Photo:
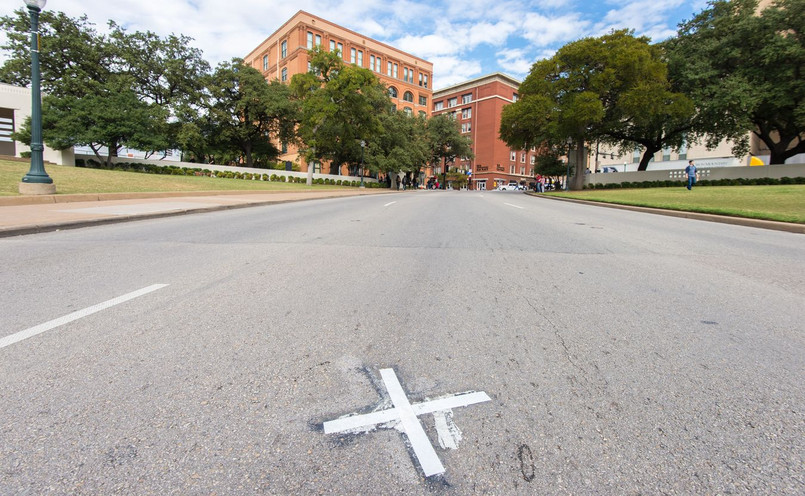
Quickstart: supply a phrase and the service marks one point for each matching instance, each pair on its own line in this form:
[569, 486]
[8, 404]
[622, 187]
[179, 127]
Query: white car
[510, 187]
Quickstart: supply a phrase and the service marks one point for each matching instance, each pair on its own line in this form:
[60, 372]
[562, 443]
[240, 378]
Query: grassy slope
[782, 203]
[79, 180]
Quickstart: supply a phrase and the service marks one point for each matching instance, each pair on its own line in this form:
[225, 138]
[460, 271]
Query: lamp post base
[37, 188]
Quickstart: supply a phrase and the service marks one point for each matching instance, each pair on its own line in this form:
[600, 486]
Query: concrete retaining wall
[227, 168]
[710, 173]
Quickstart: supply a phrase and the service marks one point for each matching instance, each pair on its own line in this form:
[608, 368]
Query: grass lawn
[781, 203]
[80, 180]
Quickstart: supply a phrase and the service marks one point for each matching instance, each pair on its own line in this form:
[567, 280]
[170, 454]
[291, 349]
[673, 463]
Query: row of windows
[513, 157]
[356, 57]
[453, 102]
[407, 96]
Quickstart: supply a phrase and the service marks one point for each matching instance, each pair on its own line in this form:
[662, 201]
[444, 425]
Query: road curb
[59, 226]
[723, 219]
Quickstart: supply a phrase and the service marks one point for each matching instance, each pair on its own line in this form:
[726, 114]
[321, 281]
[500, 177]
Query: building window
[408, 96]
[683, 150]
[332, 45]
[318, 40]
[405, 74]
[466, 98]
[341, 49]
[352, 55]
[522, 171]
[395, 72]
[284, 49]
[426, 80]
[522, 158]
[514, 97]
[511, 169]
[388, 68]
[636, 155]
[513, 157]
[284, 147]
[371, 63]
[666, 154]
[392, 92]
[360, 58]
[466, 113]
[420, 79]
[265, 62]
[533, 159]
[438, 105]
[408, 111]
[422, 113]
[423, 100]
[284, 74]
[451, 102]
[309, 40]
[466, 127]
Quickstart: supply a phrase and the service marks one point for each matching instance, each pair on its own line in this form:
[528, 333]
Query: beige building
[15, 107]
[409, 79]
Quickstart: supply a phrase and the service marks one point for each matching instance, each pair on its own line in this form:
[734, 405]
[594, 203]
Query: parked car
[609, 169]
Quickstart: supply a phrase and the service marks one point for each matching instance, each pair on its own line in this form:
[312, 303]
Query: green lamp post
[363, 145]
[37, 181]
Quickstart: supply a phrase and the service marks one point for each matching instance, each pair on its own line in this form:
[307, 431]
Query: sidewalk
[34, 214]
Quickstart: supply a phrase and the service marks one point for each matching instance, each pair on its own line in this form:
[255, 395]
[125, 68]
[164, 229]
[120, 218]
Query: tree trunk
[577, 182]
[248, 151]
[646, 158]
[782, 150]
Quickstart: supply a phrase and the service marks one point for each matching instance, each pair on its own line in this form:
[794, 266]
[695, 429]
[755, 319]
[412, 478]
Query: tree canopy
[744, 69]
[613, 89]
[340, 106]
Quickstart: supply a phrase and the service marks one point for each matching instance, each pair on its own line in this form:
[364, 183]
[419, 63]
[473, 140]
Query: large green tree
[341, 105]
[745, 70]
[400, 147]
[248, 114]
[112, 83]
[446, 143]
[613, 89]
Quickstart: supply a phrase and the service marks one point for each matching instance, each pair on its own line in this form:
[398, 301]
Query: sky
[464, 39]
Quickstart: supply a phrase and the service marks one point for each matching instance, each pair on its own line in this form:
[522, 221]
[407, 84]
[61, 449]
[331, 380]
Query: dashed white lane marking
[33, 331]
[406, 414]
[389, 203]
[515, 206]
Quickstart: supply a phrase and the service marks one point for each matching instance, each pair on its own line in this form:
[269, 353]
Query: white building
[15, 107]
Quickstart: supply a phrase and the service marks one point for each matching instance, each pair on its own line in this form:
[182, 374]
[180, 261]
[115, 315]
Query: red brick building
[477, 105]
[285, 53]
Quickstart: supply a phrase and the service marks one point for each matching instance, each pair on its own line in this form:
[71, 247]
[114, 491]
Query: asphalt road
[621, 352]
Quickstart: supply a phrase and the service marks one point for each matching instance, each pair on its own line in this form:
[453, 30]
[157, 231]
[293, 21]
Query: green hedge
[668, 183]
[194, 171]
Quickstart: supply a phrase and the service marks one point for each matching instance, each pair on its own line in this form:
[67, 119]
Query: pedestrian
[690, 170]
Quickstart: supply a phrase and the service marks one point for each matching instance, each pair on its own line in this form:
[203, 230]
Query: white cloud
[448, 71]
[646, 17]
[543, 31]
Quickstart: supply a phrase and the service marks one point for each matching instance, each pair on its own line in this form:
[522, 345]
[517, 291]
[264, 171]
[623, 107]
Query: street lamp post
[37, 181]
[363, 145]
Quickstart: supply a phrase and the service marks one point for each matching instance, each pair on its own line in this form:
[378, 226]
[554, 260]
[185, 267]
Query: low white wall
[710, 173]
[227, 168]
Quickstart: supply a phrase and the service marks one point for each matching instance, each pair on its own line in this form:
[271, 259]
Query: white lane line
[390, 203]
[515, 206]
[428, 460]
[33, 331]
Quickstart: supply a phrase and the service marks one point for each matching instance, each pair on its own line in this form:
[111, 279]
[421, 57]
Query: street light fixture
[37, 181]
[363, 145]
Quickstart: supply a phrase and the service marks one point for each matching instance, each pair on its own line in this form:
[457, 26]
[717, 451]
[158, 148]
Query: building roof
[472, 83]
[295, 19]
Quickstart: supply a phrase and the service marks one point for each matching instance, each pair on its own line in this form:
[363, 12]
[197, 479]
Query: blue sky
[464, 39]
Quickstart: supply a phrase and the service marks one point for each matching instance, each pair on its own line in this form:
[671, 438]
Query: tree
[82, 68]
[446, 143]
[401, 146]
[341, 105]
[246, 112]
[613, 88]
[744, 70]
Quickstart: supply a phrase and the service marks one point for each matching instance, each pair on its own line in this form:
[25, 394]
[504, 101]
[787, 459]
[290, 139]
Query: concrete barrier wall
[227, 168]
[710, 173]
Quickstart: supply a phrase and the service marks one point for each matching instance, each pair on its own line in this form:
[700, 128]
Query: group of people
[544, 184]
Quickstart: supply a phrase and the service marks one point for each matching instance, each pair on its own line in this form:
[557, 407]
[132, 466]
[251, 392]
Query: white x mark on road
[406, 414]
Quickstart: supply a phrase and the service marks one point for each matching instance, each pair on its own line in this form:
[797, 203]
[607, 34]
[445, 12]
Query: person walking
[690, 170]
